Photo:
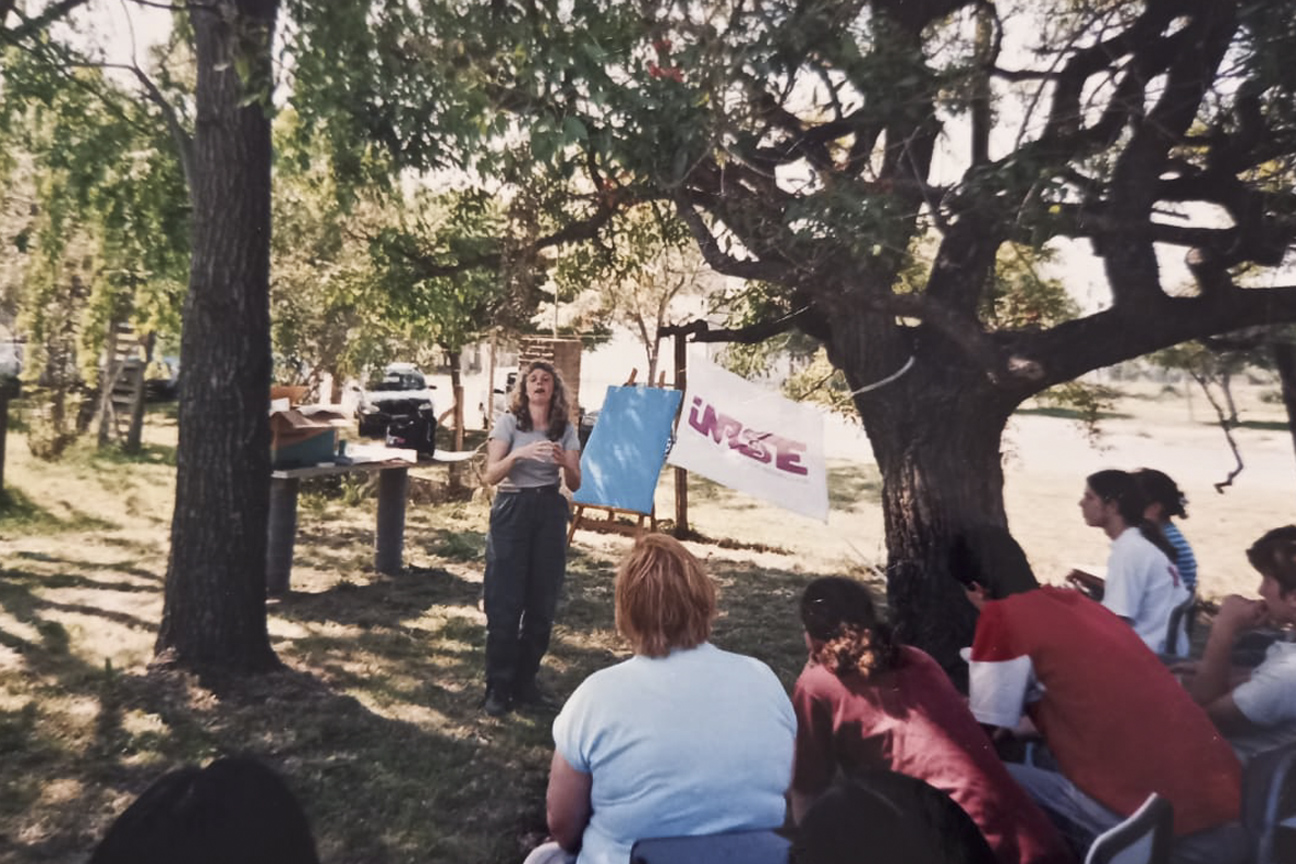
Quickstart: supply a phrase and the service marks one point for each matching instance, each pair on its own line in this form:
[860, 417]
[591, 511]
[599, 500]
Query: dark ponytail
[1121, 488]
[1158, 488]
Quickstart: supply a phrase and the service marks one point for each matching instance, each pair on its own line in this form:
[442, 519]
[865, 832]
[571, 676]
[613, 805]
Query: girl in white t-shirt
[1142, 586]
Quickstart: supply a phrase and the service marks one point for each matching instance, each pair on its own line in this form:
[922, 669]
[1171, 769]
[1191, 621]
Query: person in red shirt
[1116, 720]
[865, 702]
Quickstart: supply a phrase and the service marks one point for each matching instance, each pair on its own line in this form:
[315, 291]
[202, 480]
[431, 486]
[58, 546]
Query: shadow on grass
[79, 580]
[1263, 425]
[63, 744]
[162, 413]
[17, 510]
[17, 419]
[147, 454]
[18, 513]
[375, 721]
[411, 645]
[852, 484]
[1072, 413]
[849, 484]
[381, 737]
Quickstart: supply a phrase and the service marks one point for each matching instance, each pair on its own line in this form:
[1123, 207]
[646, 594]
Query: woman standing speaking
[526, 548]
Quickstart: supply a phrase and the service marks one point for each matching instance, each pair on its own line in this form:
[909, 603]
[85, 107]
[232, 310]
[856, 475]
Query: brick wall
[564, 352]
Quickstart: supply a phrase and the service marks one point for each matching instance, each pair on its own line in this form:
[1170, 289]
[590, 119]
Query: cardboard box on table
[306, 435]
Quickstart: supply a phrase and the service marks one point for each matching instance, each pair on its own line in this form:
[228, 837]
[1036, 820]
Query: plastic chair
[1143, 838]
[736, 847]
[1269, 803]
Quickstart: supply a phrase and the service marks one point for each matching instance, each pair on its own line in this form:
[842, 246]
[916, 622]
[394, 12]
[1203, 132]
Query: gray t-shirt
[529, 473]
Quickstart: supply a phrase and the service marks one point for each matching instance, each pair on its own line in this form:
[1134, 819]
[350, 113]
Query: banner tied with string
[753, 440]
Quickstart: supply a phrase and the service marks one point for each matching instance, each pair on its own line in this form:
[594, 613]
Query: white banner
[751, 439]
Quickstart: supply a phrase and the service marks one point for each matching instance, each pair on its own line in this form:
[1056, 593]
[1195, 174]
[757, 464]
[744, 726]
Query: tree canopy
[871, 168]
[869, 164]
[829, 150]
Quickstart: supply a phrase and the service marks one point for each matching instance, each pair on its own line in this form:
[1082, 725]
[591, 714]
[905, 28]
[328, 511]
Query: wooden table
[389, 538]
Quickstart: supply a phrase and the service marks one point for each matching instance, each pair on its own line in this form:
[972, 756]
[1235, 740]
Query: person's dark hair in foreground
[234, 811]
[1158, 488]
[881, 817]
[1274, 555]
[988, 556]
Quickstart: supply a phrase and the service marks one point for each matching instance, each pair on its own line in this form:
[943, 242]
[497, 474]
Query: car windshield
[398, 381]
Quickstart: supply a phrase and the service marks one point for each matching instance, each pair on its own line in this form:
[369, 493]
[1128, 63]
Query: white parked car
[11, 359]
[497, 397]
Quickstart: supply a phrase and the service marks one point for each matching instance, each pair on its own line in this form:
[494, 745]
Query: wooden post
[389, 540]
[281, 533]
[107, 381]
[4, 428]
[135, 433]
[681, 476]
[487, 420]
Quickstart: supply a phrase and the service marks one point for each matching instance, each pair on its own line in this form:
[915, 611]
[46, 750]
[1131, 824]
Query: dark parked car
[399, 407]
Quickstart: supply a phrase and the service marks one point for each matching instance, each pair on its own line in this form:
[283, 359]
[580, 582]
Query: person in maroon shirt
[1115, 719]
[866, 702]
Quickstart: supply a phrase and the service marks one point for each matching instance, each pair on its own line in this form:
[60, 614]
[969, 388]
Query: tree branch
[183, 140]
[1072, 348]
[749, 335]
[573, 232]
[1225, 426]
[717, 258]
[28, 27]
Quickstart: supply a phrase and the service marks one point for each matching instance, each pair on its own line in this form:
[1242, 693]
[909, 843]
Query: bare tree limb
[1227, 428]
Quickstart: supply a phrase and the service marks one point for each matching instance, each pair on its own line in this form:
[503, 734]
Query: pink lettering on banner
[763, 447]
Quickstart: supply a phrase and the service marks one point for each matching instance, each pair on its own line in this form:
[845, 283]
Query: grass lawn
[375, 719]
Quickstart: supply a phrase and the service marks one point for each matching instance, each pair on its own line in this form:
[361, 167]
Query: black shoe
[531, 696]
[496, 704]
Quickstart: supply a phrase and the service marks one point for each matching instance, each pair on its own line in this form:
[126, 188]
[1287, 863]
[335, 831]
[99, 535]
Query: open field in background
[375, 718]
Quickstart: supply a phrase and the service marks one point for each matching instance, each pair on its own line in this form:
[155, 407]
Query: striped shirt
[1184, 560]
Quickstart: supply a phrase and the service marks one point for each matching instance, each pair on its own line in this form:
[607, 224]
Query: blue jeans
[526, 558]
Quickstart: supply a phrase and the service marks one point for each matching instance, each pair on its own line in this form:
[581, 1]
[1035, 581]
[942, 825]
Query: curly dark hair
[840, 614]
[520, 406]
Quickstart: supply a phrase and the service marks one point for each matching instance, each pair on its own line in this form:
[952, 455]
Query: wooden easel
[608, 523]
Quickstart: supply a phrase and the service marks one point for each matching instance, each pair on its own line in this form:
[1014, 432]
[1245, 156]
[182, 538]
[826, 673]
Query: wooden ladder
[121, 392]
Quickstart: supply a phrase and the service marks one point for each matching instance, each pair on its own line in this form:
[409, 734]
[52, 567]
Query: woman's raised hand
[540, 451]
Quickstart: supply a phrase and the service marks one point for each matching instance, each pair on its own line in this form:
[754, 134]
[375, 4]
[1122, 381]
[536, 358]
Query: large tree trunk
[214, 615]
[940, 477]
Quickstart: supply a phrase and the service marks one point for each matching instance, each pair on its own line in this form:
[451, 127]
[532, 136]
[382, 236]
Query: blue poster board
[627, 449]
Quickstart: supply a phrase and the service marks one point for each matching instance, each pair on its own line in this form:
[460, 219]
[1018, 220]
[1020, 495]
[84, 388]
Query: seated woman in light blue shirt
[682, 739]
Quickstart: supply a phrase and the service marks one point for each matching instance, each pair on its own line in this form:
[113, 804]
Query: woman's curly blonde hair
[520, 403]
[840, 616]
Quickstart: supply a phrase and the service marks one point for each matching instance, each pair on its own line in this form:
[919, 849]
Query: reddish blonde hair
[664, 599]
